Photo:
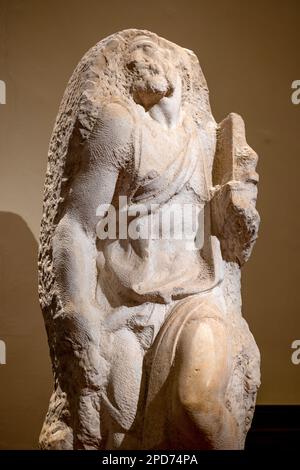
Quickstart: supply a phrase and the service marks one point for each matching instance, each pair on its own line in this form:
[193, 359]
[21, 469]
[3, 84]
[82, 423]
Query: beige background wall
[249, 52]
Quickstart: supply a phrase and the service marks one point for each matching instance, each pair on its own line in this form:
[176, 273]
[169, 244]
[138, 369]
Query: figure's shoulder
[114, 123]
[116, 112]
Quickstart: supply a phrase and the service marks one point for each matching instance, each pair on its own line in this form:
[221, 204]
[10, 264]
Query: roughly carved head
[154, 73]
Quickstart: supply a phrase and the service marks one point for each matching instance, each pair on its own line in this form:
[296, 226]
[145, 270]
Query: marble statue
[148, 345]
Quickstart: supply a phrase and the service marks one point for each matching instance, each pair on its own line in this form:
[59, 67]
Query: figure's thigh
[202, 371]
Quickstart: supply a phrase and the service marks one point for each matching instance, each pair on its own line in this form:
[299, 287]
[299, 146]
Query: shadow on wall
[25, 379]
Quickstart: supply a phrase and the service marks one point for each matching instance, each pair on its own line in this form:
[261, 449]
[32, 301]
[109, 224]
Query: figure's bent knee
[202, 363]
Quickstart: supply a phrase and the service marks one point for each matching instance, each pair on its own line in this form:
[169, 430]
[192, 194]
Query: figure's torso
[170, 183]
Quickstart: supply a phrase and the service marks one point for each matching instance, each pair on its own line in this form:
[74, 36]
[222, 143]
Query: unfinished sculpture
[147, 341]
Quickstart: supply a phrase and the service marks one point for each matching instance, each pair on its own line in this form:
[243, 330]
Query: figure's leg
[73, 325]
[190, 373]
[72, 420]
[56, 433]
[202, 371]
[123, 391]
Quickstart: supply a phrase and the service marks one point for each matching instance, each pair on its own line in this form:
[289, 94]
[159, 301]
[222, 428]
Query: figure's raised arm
[73, 317]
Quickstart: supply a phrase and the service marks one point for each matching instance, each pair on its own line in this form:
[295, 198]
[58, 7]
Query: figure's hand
[235, 219]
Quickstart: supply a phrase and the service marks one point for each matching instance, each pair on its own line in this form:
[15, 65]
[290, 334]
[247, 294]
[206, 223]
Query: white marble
[148, 344]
